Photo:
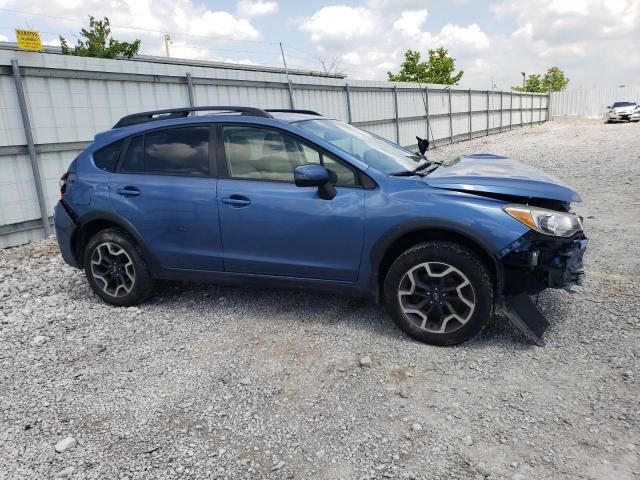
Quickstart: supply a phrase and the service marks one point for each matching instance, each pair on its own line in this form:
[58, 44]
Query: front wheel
[439, 293]
[115, 268]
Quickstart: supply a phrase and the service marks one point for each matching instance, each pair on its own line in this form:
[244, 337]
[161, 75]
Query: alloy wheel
[436, 297]
[112, 268]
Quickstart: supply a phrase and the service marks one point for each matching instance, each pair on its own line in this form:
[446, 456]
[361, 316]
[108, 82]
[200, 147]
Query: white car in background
[624, 111]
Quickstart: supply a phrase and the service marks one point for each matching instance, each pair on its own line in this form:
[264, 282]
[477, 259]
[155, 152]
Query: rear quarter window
[107, 157]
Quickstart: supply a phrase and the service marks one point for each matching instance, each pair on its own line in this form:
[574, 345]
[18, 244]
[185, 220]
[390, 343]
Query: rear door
[269, 225]
[165, 186]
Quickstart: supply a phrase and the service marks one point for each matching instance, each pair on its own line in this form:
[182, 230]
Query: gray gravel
[212, 382]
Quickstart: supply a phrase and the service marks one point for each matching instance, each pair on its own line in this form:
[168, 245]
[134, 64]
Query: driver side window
[255, 153]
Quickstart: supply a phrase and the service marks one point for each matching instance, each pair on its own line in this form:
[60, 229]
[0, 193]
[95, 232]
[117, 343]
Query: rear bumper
[538, 262]
[65, 229]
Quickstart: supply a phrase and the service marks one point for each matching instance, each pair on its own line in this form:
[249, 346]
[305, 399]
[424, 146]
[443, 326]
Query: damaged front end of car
[550, 255]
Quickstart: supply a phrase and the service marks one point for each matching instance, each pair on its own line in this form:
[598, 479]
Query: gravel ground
[212, 382]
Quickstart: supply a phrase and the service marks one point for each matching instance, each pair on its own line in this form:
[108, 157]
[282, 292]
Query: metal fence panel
[590, 102]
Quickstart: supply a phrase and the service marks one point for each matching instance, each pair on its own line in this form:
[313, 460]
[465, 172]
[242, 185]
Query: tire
[449, 282]
[115, 268]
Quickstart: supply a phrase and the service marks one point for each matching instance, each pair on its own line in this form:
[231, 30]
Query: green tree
[554, 79]
[438, 68]
[532, 84]
[99, 43]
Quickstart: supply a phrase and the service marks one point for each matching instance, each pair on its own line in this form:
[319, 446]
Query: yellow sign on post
[28, 40]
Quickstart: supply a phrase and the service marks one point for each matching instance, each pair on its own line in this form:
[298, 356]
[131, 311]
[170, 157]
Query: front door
[165, 189]
[270, 226]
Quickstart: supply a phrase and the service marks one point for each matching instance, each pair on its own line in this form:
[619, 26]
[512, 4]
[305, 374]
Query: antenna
[423, 95]
[286, 71]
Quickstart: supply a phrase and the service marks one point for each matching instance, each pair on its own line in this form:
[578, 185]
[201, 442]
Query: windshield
[623, 104]
[371, 149]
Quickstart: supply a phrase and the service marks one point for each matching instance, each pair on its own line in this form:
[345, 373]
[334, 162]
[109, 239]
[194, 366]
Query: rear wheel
[115, 268]
[439, 293]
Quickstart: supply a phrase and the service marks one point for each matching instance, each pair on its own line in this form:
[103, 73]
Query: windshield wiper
[416, 171]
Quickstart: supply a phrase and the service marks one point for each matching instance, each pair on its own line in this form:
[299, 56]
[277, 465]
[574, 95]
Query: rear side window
[178, 151]
[134, 159]
[181, 151]
[106, 158]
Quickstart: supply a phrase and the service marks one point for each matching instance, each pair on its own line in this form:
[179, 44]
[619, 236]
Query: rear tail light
[63, 183]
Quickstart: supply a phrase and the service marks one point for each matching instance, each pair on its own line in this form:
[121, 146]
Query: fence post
[510, 110]
[549, 105]
[531, 111]
[426, 104]
[31, 148]
[488, 112]
[470, 115]
[190, 91]
[450, 118]
[346, 89]
[501, 111]
[521, 112]
[395, 107]
[540, 110]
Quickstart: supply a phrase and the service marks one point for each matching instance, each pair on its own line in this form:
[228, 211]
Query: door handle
[128, 191]
[236, 200]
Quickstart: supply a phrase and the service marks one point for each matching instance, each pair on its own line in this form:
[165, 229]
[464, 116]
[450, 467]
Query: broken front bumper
[531, 264]
[535, 262]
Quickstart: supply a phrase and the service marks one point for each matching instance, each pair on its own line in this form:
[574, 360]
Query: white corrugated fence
[590, 102]
[70, 99]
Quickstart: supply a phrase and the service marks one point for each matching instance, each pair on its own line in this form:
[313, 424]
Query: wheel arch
[390, 246]
[95, 222]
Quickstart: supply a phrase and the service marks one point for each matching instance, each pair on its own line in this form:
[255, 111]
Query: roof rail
[152, 116]
[292, 110]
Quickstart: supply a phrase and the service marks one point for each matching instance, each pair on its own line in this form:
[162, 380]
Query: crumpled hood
[484, 172]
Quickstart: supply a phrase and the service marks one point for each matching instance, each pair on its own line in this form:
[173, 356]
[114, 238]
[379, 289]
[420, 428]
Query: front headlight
[549, 222]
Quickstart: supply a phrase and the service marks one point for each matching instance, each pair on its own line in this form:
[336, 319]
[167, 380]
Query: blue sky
[594, 41]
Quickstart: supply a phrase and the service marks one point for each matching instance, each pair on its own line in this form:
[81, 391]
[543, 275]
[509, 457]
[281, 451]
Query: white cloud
[248, 8]
[575, 7]
[340, 23]
[54, 42]
[222, 25]
[525, 31]
[3, 38]
[592, 40]
[410, 22]
[479, 66]
[196, 31]
[352, 57]
[372, 40]
[470, 36]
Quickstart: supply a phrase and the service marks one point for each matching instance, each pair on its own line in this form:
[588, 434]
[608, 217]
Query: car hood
[623, 109]
[501, 175]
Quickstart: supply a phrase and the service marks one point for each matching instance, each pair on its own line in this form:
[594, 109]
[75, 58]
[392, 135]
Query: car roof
[275, 117]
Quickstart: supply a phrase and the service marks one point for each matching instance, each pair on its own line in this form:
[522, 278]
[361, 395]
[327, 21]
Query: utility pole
[524, 83]
[286, 71]
[167, 38]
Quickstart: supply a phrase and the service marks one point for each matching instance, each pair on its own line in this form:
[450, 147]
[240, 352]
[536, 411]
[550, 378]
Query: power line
[76, 20]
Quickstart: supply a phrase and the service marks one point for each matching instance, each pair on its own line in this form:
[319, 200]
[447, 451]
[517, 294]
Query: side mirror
[315, 176]
[608, 106]
[423, 145]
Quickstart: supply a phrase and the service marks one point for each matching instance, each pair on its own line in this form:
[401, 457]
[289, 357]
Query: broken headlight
[549, 222]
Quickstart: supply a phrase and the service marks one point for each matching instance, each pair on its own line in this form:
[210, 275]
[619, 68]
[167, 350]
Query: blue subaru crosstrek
[291, 198]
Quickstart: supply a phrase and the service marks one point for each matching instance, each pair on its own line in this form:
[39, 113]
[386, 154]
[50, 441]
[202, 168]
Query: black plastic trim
[182, 112]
